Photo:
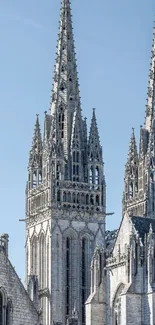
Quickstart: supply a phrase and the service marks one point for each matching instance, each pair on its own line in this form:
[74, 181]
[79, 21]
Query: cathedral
[77, 272]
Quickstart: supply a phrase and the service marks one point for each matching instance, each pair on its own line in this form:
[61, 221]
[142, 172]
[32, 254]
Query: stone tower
[65, 194]
[139, 192]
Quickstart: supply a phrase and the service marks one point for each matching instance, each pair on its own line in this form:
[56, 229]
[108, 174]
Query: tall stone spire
[65, 93]
[150, 107]
[66, 192]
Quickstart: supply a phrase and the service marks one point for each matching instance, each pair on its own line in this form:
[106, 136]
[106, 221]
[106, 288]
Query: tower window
[9, 313]
[58, 195]
[40, 177]
[34, 255]
[91, 175]
[74, 198]
[68, 251]
[61, 124]
[97, 175]
[84, 275]
[130, 190]
[92, 199]
[64, 197]
[87, 199]
[97, 200]
[34, 179]
[58, 171]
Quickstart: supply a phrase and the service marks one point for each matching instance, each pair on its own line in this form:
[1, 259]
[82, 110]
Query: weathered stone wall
[24, 312]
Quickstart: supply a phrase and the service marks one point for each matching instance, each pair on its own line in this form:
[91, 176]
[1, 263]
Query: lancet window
[42, 260]
[61, 123]
[117, 312]
[130, 190]
[84, 275]
[68, 273]
[35, 255]
[34, 179]
[76, 170]
[9, 313]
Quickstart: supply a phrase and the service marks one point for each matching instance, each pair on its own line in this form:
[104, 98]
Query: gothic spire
[132, 153]
[35, 157]
[65, 93]
[150, 107]
[95, 149]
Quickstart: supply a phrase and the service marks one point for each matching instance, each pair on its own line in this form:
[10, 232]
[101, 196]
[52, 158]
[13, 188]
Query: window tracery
[117, 313]
[42, 260]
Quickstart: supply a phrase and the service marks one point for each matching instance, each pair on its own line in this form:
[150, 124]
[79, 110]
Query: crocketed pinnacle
[150, 107]
[132, 153]
[65, 93]
[95, 150]
[35, 158]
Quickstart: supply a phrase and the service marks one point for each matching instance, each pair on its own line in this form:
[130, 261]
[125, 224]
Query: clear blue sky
[113, 44]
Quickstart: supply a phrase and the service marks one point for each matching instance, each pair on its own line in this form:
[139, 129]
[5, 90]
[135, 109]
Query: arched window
[9, 311]
[83, 198]
[87, 199]
[34, 179]
[69, 197]
[152, 190]
[35, 256]
[73, 156]
[1, 309]
[40, 177]
[136, 259]
[91, 175]
[84, 275]
[58, 195]
[78, 198]
[68, 270]
[97, 175]
[74, 198]
[58, 171]
[97, 200]
[92, 199]
[77, 157]
[117, 313]
[130, 190]
[42, 261]
[64, 197]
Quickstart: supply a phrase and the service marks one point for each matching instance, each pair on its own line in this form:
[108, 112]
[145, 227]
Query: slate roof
[142, 225]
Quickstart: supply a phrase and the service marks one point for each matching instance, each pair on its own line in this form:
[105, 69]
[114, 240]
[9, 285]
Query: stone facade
[16, 307]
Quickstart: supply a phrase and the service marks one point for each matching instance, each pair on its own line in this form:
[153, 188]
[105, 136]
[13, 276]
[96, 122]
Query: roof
[142, 225]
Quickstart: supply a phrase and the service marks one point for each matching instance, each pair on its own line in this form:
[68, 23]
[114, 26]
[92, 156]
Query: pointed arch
[9, 312]
[34, 255]
[86, 238]
[70, 239]
[3, 302]
[116, 305]
[42, 260]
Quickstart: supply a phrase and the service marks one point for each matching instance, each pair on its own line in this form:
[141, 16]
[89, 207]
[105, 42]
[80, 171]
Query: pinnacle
[94, 140]
[132, 154]
[36, 149]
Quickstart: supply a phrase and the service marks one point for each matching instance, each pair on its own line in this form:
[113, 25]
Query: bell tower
[65, 194]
